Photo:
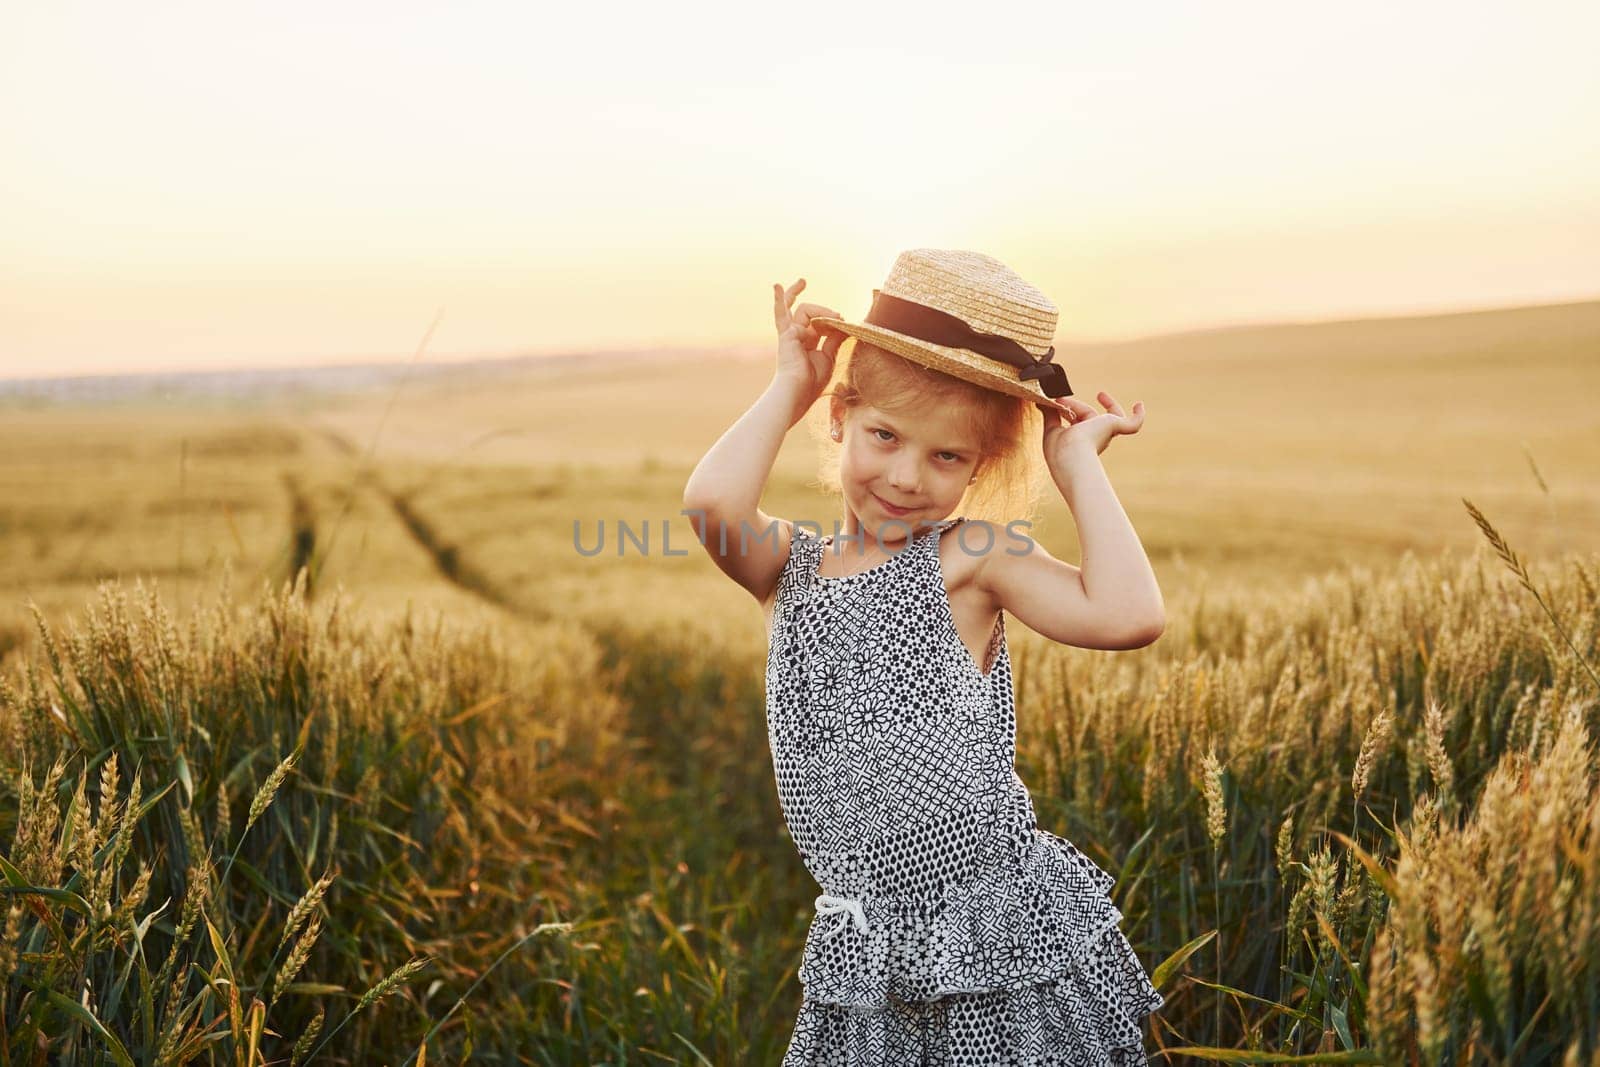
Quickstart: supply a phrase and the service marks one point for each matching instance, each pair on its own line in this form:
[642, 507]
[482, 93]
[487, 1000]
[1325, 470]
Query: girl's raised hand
[1087, 425]
[800, 356]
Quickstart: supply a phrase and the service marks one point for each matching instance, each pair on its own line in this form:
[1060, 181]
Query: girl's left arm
[1112, 601]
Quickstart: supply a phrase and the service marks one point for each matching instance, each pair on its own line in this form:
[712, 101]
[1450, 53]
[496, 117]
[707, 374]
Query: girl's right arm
[723, 495]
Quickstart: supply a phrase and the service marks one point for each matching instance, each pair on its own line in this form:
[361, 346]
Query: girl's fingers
[782, 298]
[780, 307]
[805, 313]
[1077, 408]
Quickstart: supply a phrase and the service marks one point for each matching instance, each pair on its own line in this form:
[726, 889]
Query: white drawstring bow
[829, 905]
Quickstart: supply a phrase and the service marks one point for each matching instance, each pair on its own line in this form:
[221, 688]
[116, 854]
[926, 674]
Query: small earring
[834, 432]
[972, 479]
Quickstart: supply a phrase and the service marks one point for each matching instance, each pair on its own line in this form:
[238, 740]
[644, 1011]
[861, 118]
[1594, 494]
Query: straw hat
[968, 315]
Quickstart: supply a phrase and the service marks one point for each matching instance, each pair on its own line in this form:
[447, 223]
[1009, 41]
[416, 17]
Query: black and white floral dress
[951, 929]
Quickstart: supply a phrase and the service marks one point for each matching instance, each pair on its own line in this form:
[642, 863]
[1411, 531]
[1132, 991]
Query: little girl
[951, 929]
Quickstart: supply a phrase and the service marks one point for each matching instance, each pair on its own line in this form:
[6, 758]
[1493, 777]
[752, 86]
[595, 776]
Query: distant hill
[248, 385]
[1574, 327]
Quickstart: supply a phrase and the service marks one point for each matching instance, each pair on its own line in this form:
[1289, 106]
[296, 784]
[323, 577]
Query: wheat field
[322, 742]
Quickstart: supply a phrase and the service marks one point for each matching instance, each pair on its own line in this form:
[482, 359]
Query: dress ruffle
[1091, 1016]
[1042, 915]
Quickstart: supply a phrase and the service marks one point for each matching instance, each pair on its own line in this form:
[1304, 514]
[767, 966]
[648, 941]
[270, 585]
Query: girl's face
[921, 462]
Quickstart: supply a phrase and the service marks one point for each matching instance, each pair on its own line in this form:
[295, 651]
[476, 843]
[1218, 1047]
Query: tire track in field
[302, 530]
[341, 444]
[447, 557]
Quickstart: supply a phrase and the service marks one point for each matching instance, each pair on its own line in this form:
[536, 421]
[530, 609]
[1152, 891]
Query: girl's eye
[888, 436]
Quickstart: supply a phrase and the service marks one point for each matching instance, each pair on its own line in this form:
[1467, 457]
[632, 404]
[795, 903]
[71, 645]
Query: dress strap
[802, 561]
[935, 537]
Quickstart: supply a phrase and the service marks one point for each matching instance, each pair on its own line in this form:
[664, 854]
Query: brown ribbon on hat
[941, 328]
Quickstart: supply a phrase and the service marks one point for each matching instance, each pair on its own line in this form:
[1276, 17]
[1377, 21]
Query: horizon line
[457, 359]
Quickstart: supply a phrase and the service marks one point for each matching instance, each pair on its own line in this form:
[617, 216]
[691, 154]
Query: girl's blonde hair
[1011, 471]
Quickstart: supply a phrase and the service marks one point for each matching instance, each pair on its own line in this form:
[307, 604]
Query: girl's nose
[903, 476]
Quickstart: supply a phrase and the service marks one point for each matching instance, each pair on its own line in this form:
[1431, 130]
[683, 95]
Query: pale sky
[202, 185]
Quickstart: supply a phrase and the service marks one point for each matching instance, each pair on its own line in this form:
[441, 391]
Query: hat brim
[961, 363]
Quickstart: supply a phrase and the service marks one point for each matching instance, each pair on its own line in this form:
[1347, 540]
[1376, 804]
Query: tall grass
[225, 839]
[1355, 822]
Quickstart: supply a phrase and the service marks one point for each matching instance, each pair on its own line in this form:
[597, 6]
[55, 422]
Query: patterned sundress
[951, 929]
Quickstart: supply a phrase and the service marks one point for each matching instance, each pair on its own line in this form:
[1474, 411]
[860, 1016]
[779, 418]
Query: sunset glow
[192, 185]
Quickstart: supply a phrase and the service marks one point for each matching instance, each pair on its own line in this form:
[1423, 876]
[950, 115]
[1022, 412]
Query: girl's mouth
[890, 508]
